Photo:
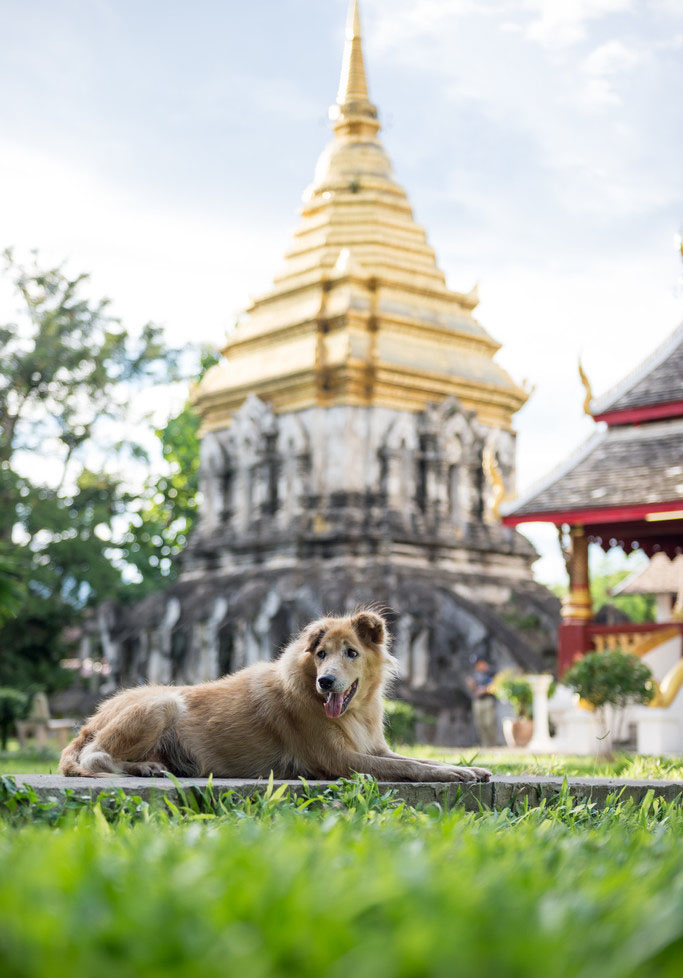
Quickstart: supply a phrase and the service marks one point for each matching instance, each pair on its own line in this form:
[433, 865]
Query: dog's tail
[68, 762]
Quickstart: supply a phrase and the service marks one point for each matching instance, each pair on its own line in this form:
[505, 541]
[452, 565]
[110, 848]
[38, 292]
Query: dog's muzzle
[336, 703]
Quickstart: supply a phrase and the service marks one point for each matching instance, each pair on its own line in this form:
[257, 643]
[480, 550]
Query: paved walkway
[500, 792]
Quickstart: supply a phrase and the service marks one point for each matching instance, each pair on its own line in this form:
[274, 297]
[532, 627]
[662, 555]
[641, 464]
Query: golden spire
[353, 86]
[353, 104]
[360, 313]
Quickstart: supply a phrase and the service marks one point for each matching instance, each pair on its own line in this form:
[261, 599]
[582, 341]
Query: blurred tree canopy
[166, 510]
[603, 580]
[70, 527]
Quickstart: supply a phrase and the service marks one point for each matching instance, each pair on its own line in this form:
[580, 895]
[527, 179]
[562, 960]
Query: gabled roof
[624, 466]
[660, 576]
[658, 380]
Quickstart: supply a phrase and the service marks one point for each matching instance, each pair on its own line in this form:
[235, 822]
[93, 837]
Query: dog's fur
[292, 716]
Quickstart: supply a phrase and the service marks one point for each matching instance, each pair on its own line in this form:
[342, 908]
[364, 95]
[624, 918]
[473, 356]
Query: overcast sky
[164, 147]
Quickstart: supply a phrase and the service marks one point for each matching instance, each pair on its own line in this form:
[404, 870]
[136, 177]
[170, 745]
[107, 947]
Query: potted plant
[607, 680]
[515, 690]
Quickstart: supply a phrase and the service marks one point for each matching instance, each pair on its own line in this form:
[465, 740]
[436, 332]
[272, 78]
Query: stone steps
[500, 792]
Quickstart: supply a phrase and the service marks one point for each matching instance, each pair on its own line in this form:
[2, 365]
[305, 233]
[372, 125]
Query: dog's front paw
[143, 769]
[482, 773]
[469, 774]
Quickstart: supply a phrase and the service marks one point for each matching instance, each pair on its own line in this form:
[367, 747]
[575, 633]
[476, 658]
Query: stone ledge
[500, 792]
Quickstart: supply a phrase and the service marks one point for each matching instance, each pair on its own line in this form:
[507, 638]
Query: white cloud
[562, 23]
[613, 58]
[189, 272]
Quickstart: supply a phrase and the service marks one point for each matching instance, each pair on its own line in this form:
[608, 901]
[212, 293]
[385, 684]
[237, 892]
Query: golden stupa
[360, 314]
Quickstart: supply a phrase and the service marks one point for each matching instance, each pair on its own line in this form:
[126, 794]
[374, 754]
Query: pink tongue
[334, 703]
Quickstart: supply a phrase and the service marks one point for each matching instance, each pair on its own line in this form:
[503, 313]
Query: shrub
[516, 691]
[613, 679]
[13, 706]
[400, 720]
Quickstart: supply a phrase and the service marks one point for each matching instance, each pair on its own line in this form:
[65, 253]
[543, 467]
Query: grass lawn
[31, 760]
[351, 883]
[502, 761]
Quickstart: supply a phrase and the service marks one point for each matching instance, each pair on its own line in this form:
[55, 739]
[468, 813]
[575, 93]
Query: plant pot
[517, 731]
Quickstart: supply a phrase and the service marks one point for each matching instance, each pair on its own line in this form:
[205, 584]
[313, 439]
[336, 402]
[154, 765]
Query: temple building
[357, 441]
[624, 488]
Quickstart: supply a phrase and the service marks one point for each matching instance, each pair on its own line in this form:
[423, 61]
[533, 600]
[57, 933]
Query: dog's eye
[321, 654]
[352, 654]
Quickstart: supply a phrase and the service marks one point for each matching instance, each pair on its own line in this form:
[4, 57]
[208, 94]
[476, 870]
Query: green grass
[30, 760]
[348, 883]
[624, 765]
[45, 761]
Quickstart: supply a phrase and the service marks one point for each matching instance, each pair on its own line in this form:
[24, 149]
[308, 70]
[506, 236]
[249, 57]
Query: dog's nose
[326, 682]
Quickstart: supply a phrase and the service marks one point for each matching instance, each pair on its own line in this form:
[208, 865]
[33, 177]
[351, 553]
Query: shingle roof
[660, 576]
[618, 466]
[657, 380]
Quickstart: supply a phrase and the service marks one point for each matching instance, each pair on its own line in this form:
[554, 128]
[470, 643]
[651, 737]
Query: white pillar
[541, 741]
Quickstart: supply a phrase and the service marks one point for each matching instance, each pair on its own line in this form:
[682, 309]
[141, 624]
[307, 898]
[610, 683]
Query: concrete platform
[501, 792]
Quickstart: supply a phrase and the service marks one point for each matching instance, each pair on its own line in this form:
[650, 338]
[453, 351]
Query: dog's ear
[369, 628]
[312, 634]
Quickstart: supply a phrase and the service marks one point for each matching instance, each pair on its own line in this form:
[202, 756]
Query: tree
[11, 587]
[515, 690]
[610, 679]
[68, 372]
[13, 706]
[167, 509]
[603, 581]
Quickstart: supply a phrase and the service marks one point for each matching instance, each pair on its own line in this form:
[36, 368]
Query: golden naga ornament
[589, 391]
[494, 478]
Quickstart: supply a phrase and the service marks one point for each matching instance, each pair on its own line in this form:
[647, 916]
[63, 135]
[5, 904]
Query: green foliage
[167, 509]
[13, 706]
[638, 607]
[12, 590]
[400, 720]
[28, 760]
[622, 765]
[68, 373]
[610, 678]
[344, 882]
[525, 623]
[515, 690]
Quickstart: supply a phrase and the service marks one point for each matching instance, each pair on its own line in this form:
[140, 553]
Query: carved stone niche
[430, 467]
[397, 453]
[293, 448]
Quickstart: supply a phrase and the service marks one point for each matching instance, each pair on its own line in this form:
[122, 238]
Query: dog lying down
[316, 711]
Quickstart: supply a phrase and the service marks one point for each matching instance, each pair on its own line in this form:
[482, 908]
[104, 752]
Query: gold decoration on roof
[589, 391]
[494, 478]
[360, 312]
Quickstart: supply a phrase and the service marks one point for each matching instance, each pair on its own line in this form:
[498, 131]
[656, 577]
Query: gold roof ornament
[588, 389]
[360, 313]
[494, 478]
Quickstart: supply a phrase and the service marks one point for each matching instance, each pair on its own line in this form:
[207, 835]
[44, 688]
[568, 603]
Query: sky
[164, 148]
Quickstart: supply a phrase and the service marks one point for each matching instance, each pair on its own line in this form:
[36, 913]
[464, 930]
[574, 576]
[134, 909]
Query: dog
[315, 712]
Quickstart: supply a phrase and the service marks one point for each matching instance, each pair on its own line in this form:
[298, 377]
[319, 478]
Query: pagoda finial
[353, 111]
[353, 86]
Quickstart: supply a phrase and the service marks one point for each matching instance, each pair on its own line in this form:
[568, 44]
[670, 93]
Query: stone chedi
[356, 442]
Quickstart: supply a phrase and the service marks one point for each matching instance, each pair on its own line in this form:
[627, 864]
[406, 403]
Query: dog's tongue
[334, 703]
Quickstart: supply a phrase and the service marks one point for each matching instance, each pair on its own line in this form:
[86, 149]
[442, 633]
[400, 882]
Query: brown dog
[316, 711]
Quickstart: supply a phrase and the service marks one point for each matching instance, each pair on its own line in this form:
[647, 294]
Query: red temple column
[577, 608]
